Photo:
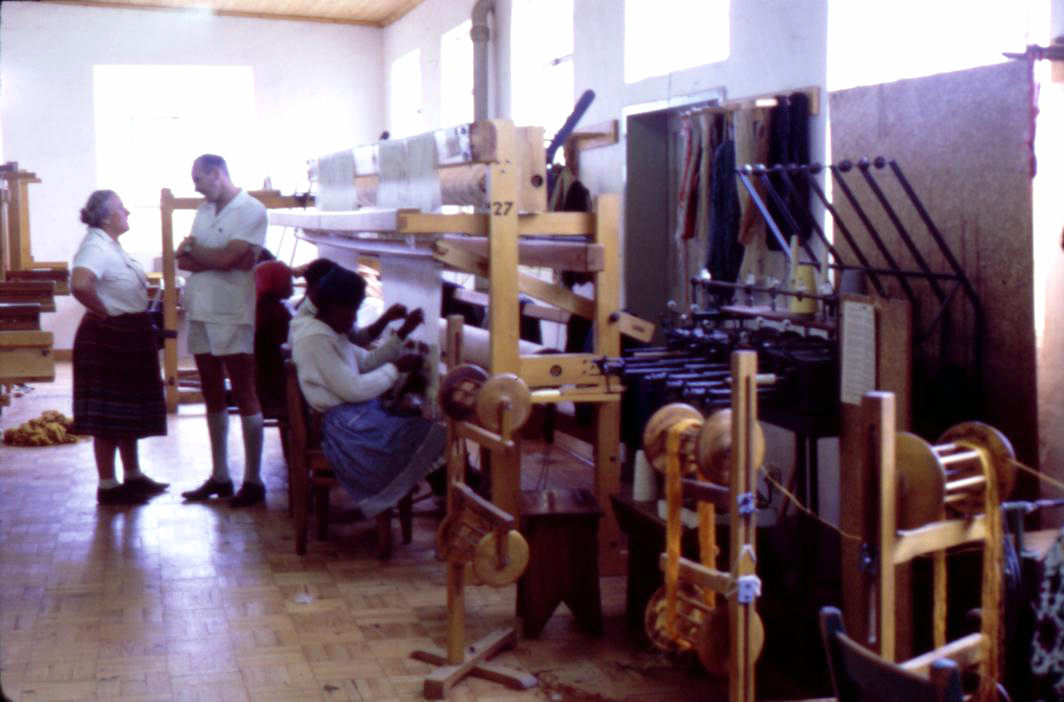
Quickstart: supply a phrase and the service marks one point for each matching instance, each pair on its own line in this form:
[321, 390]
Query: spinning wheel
[714, 447]
[468, 394]
[458, 391]
[658, 426]
[503, 390]
[714, 640]
[702, 457]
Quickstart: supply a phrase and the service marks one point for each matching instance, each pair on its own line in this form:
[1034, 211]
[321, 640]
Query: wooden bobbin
[499, 391]
[963, 450]
[691, 612]
[921, 481]
[492, 570]
[656, 430]
[951, 473]
[458, 391]
[458, 537]
[714, 640]
[714, 448]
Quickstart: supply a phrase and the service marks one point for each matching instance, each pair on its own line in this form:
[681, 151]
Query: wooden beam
[503, 313]
[596, 135]
[20, 316]
[555, 295]
[965, 652]
[553, 370]
[41, 292]
[543, 253]
[938, 536]
[166, 211]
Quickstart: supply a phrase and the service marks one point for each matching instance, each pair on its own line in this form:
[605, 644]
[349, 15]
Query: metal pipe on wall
[480, 33]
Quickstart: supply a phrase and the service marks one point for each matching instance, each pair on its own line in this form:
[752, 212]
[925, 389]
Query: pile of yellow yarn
[50, 429]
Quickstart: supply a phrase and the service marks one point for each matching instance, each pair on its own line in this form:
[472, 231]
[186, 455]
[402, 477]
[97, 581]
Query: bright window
[152, 121]
[406, 115]
[663, 36]
[543, 63]
[456, 76]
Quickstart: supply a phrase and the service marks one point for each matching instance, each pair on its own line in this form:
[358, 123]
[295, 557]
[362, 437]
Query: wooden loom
[168, 204]
[931, 499]
[27, 288]
[509, 228]
[701, 457]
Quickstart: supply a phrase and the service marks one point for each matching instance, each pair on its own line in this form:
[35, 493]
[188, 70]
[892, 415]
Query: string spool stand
[933, 498]
[715, 462]
[479, 542]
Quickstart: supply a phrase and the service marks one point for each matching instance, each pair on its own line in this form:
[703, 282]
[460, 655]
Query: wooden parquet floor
[174, 601]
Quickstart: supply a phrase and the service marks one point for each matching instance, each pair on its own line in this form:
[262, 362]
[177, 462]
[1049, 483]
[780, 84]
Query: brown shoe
[249, 494]
[123, 494]
[209, 489]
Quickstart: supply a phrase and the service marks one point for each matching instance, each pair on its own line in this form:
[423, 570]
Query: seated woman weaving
[378, 457]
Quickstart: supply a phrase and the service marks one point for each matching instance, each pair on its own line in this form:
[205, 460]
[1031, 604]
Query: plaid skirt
[118, 389]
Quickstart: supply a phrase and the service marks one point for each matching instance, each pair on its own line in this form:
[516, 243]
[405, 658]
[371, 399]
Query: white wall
[318, 88]
[776, 46]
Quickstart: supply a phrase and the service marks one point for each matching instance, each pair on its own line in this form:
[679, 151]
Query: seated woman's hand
[412, 321]
[408, 362]
[396, 311]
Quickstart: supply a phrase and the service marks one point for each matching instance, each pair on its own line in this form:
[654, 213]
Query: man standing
[227, 234]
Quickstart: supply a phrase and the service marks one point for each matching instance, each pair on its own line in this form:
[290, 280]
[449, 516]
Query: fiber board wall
[961, 140]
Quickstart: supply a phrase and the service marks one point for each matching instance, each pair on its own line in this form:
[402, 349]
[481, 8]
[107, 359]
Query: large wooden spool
[468, 394]
[705, 446]
[950, 476]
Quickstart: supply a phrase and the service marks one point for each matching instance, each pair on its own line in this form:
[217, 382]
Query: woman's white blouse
[120, 280]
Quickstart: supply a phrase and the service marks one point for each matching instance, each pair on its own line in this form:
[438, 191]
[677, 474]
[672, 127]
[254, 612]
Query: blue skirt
[379, 457]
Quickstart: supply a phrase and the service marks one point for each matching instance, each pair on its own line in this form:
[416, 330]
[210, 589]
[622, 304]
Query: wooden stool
[561, 527]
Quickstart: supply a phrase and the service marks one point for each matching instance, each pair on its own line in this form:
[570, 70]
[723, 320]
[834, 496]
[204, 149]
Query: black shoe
[209, 489]
[146, 485]
[249, 494]
[123, 494]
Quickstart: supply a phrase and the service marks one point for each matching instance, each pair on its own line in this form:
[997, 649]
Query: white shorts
[220, 339]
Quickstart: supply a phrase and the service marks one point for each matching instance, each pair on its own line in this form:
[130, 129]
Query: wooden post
[503, 310]
[608, 414]
[5, 198]
[857, 482]
[166, 209]
[743, 523]
[878, 409]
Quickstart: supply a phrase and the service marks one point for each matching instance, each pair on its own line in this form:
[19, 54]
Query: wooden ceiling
[374, 13]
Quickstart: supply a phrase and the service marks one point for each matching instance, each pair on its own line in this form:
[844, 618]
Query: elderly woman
[118, 391]
[377, 456]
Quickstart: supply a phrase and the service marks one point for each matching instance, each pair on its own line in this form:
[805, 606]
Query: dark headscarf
[341, 287]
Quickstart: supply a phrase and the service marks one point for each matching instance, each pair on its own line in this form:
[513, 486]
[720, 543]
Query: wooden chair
[859, 675]
[311, 476]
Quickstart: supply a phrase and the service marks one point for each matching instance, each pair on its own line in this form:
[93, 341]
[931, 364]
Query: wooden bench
[561, 527]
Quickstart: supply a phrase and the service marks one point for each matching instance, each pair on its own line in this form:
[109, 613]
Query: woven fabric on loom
[408, 174]
[336, 182]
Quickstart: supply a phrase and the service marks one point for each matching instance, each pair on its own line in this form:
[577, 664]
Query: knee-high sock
[218, 429]
[252, 426]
